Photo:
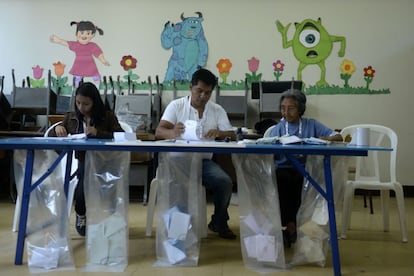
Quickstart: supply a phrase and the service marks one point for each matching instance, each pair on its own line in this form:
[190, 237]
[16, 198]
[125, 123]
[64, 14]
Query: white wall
[378, 33]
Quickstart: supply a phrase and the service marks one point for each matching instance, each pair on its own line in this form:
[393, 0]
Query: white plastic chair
[367, 176]
[151, 208]
[267, 132]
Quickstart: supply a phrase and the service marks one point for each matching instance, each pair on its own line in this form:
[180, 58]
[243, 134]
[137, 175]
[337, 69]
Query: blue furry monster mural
[189, 45]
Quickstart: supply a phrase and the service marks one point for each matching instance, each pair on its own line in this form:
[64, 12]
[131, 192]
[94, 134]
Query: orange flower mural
[59, 68]
[224, 65]
[60, 82]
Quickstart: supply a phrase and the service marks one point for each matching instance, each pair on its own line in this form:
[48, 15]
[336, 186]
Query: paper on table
[282, 140]
[316, 141]
[190, 132]
[124, 136]
[69, 137]
[290, 139]
[293, 139]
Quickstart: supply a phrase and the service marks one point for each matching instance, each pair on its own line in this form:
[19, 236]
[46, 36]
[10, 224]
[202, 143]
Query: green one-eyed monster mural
[311, 44]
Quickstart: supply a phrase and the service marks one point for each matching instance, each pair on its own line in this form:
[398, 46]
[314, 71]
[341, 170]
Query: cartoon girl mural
[84, 64]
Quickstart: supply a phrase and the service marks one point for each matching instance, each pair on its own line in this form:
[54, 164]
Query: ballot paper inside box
[174, 253]
[51, 257]
[107, 241]
[260, 246]
[177, 225]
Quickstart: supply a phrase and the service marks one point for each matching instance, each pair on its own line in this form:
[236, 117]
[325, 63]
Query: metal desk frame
[68, 146]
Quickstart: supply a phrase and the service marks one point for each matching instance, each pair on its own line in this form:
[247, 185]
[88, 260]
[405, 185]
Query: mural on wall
[224, 66]
[253, 65]
[311, 44]
[189, 47]
[85, 51]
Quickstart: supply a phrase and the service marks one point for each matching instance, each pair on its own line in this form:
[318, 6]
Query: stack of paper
[316, 141]
[293, 139]
[282, 140]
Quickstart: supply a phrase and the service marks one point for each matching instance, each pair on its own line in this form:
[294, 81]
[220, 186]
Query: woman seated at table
[92, 118]
[289, 179]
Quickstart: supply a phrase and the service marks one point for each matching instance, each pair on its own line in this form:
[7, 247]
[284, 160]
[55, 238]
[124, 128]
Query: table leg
[332, 219]
[25, 197]
[68, 171]
[329, 197]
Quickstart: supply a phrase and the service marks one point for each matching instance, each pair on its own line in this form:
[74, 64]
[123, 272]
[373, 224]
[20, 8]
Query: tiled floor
[367, 250]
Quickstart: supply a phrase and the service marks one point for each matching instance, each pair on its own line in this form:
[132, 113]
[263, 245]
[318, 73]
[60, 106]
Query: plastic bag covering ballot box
[47, 232]
[106, 209]
[178, 192]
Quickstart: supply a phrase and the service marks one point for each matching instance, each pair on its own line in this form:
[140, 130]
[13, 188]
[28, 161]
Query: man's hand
[212, 134]
[179, 129]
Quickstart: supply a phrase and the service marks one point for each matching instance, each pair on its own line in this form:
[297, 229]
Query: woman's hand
[337, 137]
[90, 129]
[61, 131]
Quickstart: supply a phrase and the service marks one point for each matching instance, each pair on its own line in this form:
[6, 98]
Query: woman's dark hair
[88, 89]
[298, 96]
[205, 76]
[86, 26]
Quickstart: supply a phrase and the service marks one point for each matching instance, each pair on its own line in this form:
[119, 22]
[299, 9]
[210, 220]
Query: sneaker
[289, 238]
[80, 224]
[286, 240]
[226, 233]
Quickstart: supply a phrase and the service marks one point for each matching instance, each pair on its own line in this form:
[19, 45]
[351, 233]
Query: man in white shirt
[213, 123]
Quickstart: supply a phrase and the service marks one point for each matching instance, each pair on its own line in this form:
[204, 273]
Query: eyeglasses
[288, 108]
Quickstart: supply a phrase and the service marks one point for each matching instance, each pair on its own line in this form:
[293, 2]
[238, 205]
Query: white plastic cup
[361, 136]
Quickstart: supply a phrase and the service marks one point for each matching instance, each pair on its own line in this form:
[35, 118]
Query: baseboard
[408, 191]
